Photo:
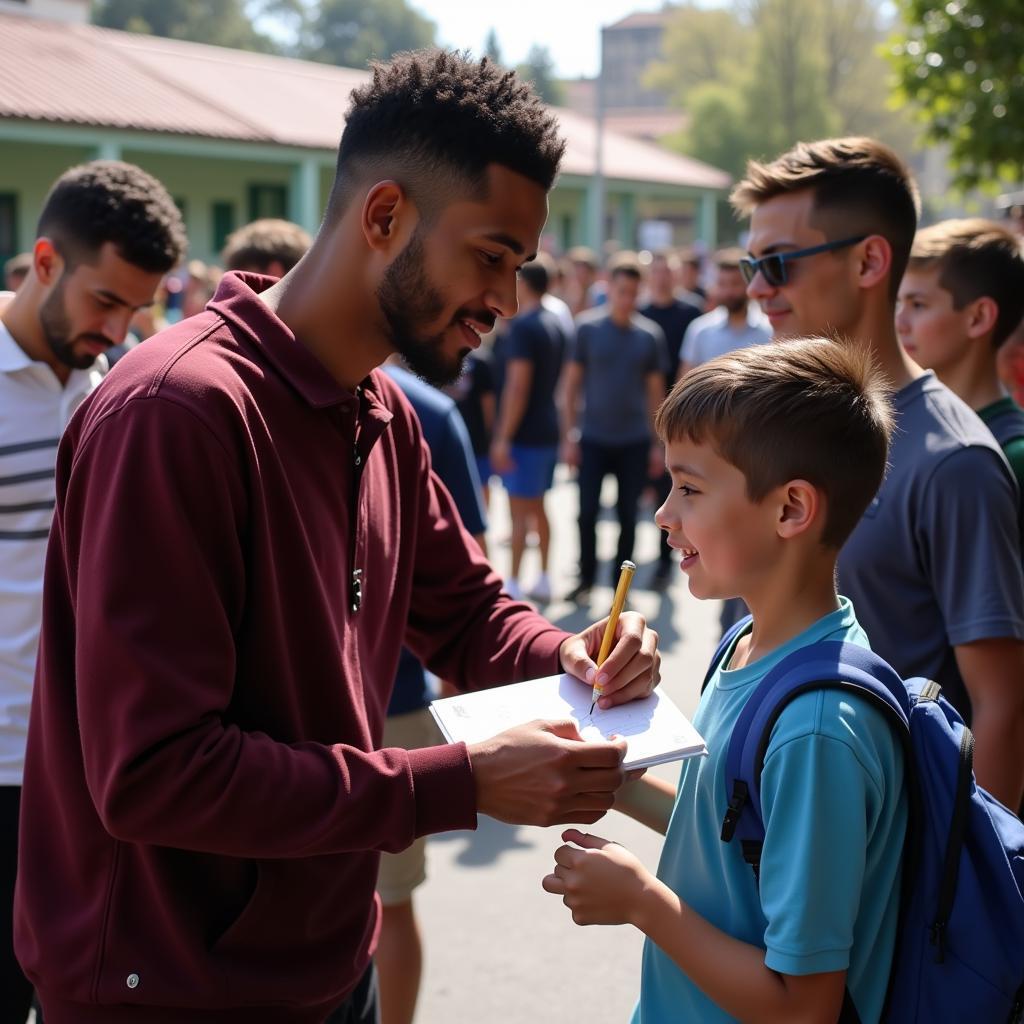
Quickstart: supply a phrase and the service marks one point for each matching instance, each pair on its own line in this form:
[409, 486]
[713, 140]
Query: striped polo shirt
[34, 410]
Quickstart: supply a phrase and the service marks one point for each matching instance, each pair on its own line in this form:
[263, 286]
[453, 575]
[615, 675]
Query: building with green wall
[237, 135]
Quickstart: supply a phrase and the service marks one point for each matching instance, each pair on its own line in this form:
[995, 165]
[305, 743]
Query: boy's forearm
[732, 973]
[649, 800]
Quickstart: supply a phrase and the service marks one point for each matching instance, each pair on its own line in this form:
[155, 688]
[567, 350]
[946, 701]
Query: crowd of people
[227, 566]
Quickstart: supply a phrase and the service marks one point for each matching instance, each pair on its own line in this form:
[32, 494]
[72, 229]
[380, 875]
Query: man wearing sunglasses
[934, 566]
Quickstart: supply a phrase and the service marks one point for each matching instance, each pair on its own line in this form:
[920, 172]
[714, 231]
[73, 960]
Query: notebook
[654, 729]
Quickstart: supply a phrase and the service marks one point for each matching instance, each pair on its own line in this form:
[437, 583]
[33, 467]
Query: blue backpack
[959, 953]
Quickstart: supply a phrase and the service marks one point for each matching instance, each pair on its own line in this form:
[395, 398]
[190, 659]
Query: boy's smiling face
[727, 542]
[934, 334]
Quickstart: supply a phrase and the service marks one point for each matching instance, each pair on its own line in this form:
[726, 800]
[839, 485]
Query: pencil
[625, 579]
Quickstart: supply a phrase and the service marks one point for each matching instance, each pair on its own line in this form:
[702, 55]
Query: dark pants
[15, 990]
[363, 1006]
[628, 463]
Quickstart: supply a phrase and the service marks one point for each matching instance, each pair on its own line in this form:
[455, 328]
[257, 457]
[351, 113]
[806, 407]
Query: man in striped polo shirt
[107, 234]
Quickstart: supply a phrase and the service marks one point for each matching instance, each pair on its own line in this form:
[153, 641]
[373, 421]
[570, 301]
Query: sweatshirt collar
[237, 301]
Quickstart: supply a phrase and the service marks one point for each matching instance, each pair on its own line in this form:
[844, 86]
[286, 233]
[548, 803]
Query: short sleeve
[579, 345]
[968, 539]
[825, 801]
[658, 359]
[520, 343]
[455, 465]
[688, 349]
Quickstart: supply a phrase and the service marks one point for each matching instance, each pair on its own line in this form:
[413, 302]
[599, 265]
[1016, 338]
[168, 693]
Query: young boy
[774, 454]
[959, 301]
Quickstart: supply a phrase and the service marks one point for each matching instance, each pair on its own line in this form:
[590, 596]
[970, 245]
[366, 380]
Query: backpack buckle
[740, 795]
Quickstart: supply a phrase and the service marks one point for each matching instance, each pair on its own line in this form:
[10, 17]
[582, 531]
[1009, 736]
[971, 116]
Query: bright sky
[570, 29]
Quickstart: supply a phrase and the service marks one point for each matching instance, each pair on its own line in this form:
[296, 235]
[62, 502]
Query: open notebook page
[654, 729]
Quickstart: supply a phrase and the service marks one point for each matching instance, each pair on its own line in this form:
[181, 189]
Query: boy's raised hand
[632, 670]
[598, 880]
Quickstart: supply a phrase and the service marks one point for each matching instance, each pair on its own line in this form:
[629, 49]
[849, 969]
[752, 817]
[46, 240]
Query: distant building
[237, 135]
[628, 47]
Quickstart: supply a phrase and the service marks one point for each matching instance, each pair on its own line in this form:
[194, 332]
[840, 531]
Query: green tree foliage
[757, 76]
[219, 22]
[492, 48]
[539, 68]
[962, 67]
[351, 32]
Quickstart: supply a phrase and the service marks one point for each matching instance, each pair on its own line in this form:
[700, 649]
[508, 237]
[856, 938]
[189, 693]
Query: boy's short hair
[975, 258]
[860, 185]
[802, 409]
[112, 201]
[263, 242]
[434, 120]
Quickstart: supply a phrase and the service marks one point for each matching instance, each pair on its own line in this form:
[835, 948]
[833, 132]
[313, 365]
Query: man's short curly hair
[434, 120]
[112, 201]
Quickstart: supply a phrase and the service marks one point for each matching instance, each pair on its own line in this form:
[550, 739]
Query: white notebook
[654, 729]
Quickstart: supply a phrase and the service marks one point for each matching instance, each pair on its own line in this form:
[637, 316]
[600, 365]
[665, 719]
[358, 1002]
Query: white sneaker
[541, 590]
[514, 590]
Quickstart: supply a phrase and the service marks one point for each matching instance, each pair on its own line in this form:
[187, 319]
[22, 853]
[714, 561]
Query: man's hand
[633, 668]
[599, 881]
[543, 773]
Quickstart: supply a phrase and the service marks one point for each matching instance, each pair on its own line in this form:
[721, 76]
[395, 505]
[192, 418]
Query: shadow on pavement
[485, 846]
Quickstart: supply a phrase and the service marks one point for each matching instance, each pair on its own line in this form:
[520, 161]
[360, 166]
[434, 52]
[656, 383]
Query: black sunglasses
[773, 267]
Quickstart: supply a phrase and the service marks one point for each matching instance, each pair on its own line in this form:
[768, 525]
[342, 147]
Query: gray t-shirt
[936, 560]
[711, 335]
[616, 362]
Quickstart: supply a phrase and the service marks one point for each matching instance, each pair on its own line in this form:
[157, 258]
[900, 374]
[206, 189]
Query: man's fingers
[564, 727]
[599, 780]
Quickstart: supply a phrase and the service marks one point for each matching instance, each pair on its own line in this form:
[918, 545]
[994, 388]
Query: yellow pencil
[625, 579]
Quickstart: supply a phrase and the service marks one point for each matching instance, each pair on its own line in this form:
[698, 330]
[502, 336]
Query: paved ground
[499, 948]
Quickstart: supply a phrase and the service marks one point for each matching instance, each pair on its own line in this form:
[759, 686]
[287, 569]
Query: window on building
[268, 201]
[222, 217]
[8, 225]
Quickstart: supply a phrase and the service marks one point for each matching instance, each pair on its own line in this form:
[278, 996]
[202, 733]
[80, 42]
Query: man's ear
[388, 218]
[875, 261]
[801, 506]
[47, 263]
[982, 315]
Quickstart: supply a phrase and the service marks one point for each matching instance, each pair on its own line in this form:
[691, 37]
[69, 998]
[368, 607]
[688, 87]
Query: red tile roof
[83, 75]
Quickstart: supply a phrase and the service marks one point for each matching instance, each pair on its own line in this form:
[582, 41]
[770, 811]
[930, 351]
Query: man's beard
[53, 319]
[735, 305]
[408, 300]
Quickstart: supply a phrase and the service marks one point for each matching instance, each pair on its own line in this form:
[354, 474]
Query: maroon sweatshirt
[240, 548]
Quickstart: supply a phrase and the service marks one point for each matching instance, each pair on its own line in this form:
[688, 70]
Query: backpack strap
[825, 665]
[723, 647]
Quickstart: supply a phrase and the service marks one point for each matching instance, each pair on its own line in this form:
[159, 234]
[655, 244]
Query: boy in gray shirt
[934, 566]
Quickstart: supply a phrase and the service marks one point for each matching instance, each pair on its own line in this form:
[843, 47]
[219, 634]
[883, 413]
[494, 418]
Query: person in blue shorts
[775, 452]
[524, 449]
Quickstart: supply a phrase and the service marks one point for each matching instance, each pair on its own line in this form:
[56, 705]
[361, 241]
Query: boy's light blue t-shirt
[835, 815]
